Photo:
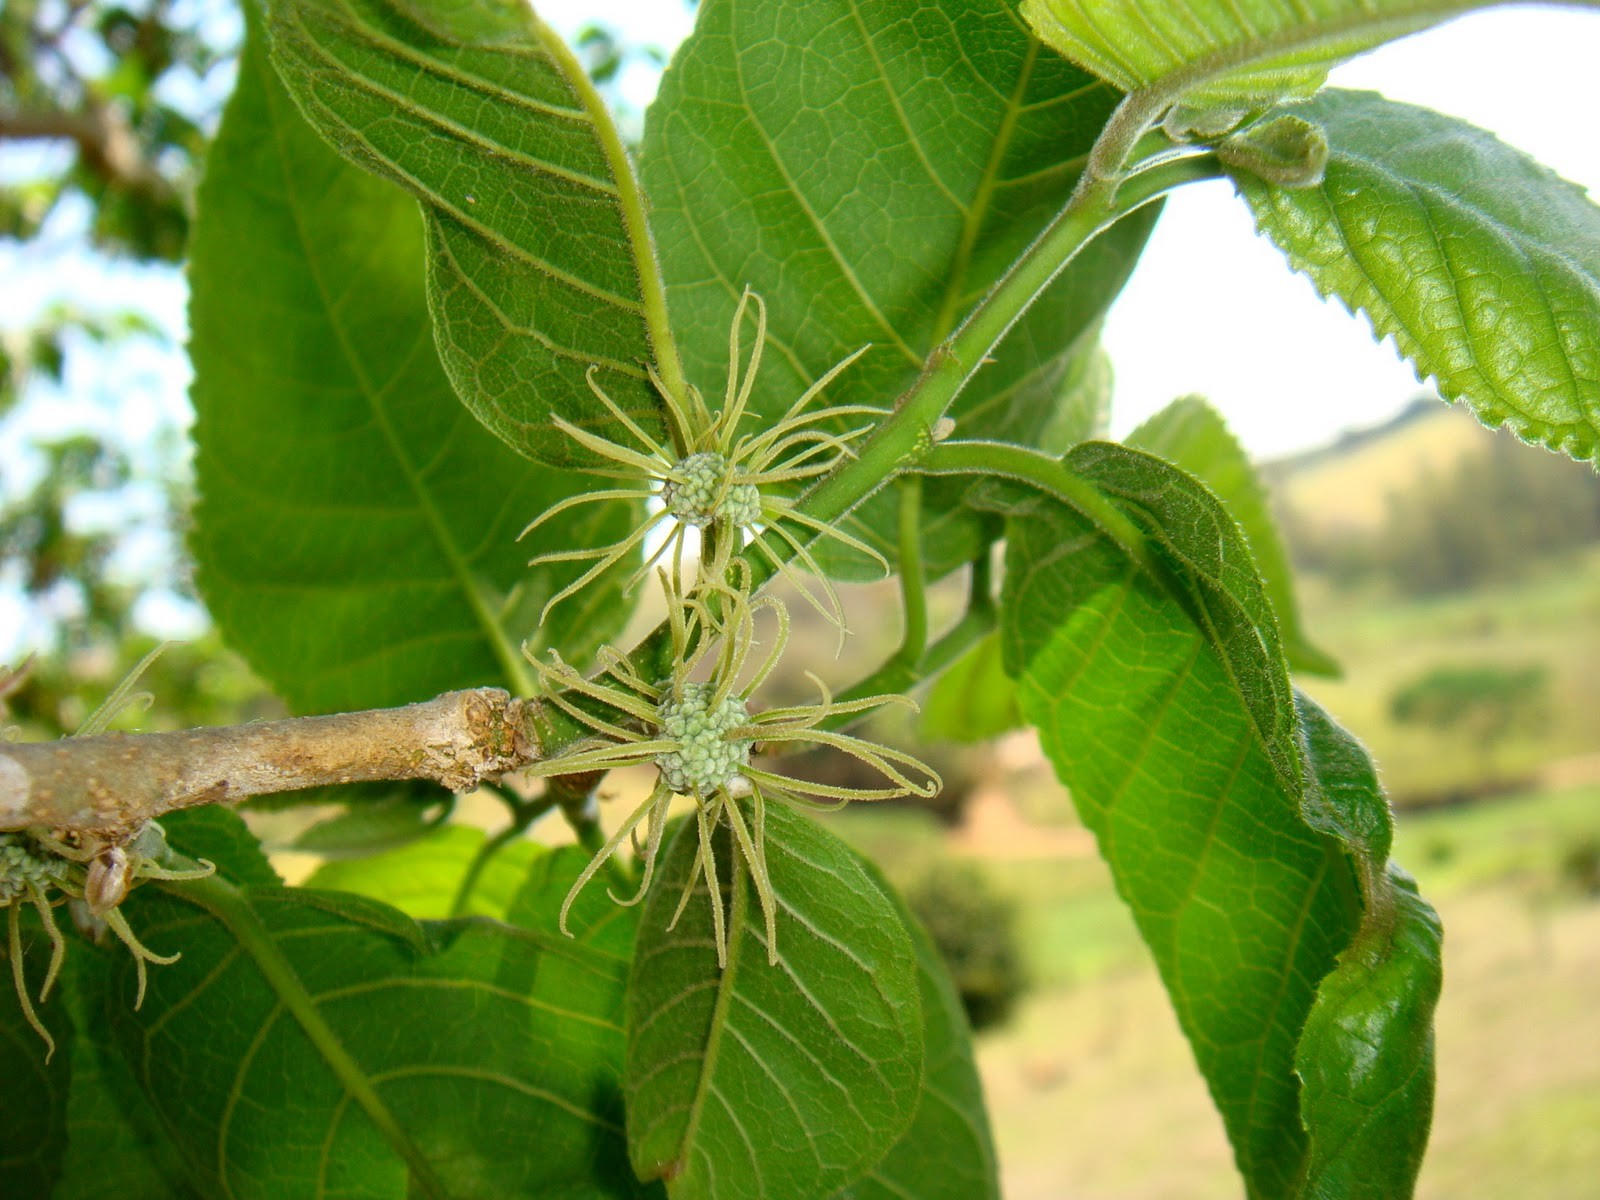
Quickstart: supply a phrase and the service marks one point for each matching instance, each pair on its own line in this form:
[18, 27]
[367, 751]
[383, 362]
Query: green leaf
[1482, 264]
[540, 262]
[1366, 1055]
[948, 1153]
[771, 1081]
[974, 700]
[1156, 724]
[1227, 52]
[311, 1044]
[871, 170]
[356, 530]
[33, 1134]
[422, 877]
[107, 1120]
[1192, 435]
[220, 836]
[1252, 852]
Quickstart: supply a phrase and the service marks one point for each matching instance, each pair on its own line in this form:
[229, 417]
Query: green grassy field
[1549, 620]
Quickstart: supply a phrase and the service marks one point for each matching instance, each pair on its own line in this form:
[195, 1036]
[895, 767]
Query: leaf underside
[1227, 52]
[539, 259]
[1483, 265]
[356, 529]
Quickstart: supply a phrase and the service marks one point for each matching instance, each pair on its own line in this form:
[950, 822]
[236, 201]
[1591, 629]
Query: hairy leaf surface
[1193, 435]
[540, 263]
[1188, 791]
[317, 1044]
[870, 167]
[771, 1081]
[1227, 51]
[356, 530]
[1482, 264]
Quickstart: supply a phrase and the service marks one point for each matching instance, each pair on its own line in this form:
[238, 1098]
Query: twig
[109, 785]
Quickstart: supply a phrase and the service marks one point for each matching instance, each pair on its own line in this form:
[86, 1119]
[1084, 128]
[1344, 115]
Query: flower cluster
[709, 477]
[700, 726]
[703, 735]
[41, 869]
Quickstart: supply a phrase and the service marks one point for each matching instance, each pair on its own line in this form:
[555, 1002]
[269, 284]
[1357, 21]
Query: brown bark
[110, 784]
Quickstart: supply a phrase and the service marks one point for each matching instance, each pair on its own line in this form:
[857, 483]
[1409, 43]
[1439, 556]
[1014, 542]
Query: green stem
[229, 906]
[896, 677]
[913, 582]
[1049, 475]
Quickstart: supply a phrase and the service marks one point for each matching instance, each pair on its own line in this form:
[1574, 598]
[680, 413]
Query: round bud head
[698, 482]
[22, 864]
[706, 758]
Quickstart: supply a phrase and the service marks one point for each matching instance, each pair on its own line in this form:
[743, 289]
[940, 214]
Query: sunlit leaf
[1227, 51]
[1482, 264]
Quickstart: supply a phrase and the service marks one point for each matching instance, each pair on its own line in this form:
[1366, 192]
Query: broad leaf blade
[1366, 1055]
[870, 170]
[1143, 715]
[771, 1081]
[1192, 435]
[1227, 52]
[356, 531]
[540, 263]
[948, 1153]
[1483, 265]
[318, 1045]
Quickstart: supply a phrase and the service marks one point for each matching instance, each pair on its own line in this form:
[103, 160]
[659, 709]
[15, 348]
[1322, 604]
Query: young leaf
[311, 1044]
[1154, 723]
[1366, 1053]
[948, 1153]
[771, 1080]
[871, 171]
[1227, 52]
[356, 531]
[540, 262]
[1191, 434]
[1483, 265]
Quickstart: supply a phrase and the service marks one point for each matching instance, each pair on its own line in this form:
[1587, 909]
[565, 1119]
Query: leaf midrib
[228, 905]
[504, 652]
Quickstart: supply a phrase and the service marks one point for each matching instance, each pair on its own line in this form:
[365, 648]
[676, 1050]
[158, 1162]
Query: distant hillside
[1345, 486]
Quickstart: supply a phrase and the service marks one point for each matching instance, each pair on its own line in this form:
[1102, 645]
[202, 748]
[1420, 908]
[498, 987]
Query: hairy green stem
[1048, 475]
[913, 583]
[897, 676]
